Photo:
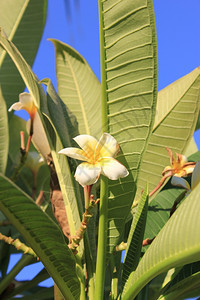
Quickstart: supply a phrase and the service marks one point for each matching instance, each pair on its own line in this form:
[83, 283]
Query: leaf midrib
[79, 97]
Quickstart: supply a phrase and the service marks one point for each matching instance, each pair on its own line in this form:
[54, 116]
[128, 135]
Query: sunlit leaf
[129, 91]
[177, 111]
[79, 88]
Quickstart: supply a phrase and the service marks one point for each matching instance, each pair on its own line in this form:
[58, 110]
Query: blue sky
[178, 24]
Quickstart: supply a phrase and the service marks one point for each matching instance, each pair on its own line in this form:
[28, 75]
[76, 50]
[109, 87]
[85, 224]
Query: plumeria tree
[99, 169]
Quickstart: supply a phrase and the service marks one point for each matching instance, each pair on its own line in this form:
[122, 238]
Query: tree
[80, 238]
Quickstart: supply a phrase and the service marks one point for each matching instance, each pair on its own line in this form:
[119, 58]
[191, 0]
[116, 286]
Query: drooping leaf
[134, 243]
[23, 24]
[177, 111]
[24, 69]
[42, 234]
[4, 137]
[178, 243]
[79, 88]
[129, 91]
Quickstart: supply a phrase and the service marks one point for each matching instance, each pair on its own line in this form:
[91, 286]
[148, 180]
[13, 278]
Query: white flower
[39, 137]
[181, 182]
[25, 102]
[98, 157]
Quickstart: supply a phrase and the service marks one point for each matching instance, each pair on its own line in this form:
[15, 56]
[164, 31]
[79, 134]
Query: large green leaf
[129, 89]
[4, 137]
[178, 243]
[23, 24]
[79, 88]
[177, 111]
[42, 234]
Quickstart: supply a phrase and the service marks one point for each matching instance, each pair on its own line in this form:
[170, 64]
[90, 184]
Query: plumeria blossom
[179, 167]
[98, 157]
[195, 180]
[25, 102]
[39, 138]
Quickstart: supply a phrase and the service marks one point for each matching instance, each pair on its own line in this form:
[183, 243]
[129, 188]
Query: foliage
[78, 232]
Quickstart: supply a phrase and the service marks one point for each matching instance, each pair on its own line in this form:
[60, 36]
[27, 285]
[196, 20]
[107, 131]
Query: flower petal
[87, 174]
[113, 169]
[39, 137]
[16, 106]
[74, 153]
[88, 143]
[179, 181]
[195, 175]
[28, 104]
[107, 146]
[26, 99]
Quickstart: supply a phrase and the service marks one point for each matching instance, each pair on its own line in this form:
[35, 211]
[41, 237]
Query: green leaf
[78, 88]
[129, 89]
[134, 243]
[55, 134]
[24, 69]
[159, 211]
[178, 243]
[188, 287]
[198, 123]
[177, 111]
[185, 283]
[62, 118]
[4, 137]
[42, 234]
[23, 24]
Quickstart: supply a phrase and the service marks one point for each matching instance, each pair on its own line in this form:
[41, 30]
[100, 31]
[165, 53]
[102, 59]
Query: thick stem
[25, 260]
[102, 241]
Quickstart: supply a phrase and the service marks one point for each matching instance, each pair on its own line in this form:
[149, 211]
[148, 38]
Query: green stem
[102, 241]
[25, 260]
